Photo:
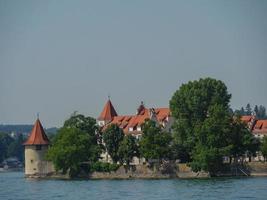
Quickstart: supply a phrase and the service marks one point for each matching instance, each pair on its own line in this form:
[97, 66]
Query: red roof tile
[37, 136]
[246, 118]
[108, 112]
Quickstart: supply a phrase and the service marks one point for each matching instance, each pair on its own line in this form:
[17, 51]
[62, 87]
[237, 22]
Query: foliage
[11, 147]
[154, 143]
[16, 149]
[112, 137]
[128, 149]
[5, 141]
[103, 167]
[79, 121]
[190, 106]
[241, 140]
[260, 111]
[263, 147]
[211, 142]
[204, 127]
[248, 109]
[72, 147]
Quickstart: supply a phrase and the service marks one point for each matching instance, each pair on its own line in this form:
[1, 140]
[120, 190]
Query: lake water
[13, 186]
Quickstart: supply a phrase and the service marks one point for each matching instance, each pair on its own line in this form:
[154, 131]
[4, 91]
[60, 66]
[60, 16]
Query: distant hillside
[22, 129]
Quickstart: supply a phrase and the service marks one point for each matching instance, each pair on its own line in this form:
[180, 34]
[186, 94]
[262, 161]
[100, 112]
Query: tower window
[38, 147]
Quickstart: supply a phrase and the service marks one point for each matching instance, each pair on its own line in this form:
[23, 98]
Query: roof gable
[108, 112]
[37, 136]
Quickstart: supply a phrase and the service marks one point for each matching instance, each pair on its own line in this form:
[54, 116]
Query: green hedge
[103, 167]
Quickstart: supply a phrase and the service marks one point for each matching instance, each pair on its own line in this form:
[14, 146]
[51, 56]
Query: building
[132, 124]
[36, 147]
[258, 127]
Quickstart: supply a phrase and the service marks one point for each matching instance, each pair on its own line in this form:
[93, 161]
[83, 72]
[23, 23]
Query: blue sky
[57, 57]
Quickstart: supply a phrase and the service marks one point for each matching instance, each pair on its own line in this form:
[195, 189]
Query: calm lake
[13, 185]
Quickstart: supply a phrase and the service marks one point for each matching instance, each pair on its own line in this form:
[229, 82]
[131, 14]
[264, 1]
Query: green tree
[72, 147]
[263, 148]
[87, 124]
[248, 109]
[262, 112]
[5, 141]
[16, 149]
[256, 110]
[128, 149]
[190, 107]
[112, 137]
[154, 143]
[211, 140]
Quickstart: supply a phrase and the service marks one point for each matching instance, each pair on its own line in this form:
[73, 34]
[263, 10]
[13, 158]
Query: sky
[57, 57]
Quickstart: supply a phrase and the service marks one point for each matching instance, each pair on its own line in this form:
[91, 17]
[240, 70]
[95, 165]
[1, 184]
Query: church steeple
[108, 112]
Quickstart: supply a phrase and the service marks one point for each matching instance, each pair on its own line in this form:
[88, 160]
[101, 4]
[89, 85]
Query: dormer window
[131, 129]
[139, 128]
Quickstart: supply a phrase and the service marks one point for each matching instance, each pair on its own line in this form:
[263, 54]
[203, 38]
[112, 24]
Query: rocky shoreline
[179, 171]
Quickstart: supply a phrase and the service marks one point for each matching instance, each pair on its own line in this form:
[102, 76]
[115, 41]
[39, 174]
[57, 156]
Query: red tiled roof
[260, 127]
[108, 112]
[37, 136]
[134, 121]
[246, 118]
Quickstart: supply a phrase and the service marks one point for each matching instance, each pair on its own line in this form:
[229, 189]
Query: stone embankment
[171, 170]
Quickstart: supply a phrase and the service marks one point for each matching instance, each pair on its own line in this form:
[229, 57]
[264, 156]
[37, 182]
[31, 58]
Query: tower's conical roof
[37, 136]
[108, 112]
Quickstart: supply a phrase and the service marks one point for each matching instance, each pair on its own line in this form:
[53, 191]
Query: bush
[103, 167]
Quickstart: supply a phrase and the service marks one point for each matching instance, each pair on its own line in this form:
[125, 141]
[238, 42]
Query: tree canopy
[191, 106]
[128, 149]
[205, 128]
[154, 144]
[112, 137]
[76, 142]
[11, 147]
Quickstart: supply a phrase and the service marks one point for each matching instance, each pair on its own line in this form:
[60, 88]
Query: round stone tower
[36, 147]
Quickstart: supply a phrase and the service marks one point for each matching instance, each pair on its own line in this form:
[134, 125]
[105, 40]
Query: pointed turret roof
[37, 136]
[108, 112]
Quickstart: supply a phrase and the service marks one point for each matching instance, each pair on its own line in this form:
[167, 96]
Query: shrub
[103, 167]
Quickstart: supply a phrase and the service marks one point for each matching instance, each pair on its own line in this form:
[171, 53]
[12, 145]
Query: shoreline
[178, 171]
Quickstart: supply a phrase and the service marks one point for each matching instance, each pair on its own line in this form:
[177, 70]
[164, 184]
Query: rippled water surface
[13, 185]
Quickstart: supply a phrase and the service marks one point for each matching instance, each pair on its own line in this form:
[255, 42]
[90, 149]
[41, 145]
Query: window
[38, 147]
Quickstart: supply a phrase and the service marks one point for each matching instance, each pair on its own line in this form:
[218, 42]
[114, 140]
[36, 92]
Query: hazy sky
[57, 57]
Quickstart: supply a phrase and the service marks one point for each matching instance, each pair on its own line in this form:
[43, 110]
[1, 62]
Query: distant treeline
[11, 146]
[259, 111]
[22, 128]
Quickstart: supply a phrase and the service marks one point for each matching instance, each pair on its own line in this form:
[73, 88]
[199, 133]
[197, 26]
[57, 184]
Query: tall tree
[211, 142]
[248, 109]
[112, 137]
[154, 143]
[72, 146]
[256, 110]
[190, 107]
[128, 149]
[262, 112]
